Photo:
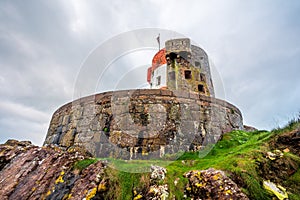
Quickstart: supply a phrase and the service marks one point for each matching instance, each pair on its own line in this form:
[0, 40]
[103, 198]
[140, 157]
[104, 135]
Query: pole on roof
[158, 40]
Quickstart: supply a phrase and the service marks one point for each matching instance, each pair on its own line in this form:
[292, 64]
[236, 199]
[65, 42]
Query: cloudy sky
[254, 47]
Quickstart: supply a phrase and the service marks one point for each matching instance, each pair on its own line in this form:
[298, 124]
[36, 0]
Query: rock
[11, 149]
[159, 192]
[18, 143]
[157, 174]
[276, 190]
[289, 140]
[156, 190]
[212, 184]
[31, 172]
[249, 128]
[276, 166]
[276, 154]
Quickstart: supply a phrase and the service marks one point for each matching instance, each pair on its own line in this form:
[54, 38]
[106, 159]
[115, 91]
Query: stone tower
[179, 113]
[181, 66]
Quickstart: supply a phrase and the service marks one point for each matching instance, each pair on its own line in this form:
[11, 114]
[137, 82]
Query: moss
[106, 129]
[82, 164]
[293, 185]
[127, 181]
[254, 187]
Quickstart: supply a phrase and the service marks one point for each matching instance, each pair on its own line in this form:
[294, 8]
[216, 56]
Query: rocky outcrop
[212, 184]
[31, 172]
[249, 128]
[142, 124]
[156, 190]
[290, 140]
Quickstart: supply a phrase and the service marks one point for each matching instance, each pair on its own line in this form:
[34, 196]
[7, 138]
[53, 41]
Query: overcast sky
[254, 47]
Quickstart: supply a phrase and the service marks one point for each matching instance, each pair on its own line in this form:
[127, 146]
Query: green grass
[238, 153]
[294, 182]
[82, 164]
[132, 181]
[293, 124]
[134, 166]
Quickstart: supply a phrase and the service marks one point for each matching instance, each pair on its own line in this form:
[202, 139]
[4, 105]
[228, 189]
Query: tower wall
[142, 124]
[158, 77]
[188, 68]
[200, 60]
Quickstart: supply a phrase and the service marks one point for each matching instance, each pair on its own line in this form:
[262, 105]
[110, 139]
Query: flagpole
[158, 40]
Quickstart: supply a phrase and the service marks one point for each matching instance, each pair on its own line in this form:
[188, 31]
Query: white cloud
[20, 111]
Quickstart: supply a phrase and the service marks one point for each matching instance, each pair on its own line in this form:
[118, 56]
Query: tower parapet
[178, 45]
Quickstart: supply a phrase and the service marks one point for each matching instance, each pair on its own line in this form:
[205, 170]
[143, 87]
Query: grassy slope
[239, 153]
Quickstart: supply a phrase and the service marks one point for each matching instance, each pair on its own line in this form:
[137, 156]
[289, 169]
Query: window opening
[187, 74]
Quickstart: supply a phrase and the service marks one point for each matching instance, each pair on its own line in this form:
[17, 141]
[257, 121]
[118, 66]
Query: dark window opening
[144, 119]
[201, 88]
[197, 64]
[202, 77]
[231, 111]
[172, 56]
[158, 80]
[187, 74]
[172, 75]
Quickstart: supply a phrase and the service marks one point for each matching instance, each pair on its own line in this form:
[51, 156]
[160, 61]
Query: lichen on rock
[211, 184]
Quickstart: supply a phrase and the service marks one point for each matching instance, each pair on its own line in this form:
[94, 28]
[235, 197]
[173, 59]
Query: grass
[294, 182]
[130, 182]
[82, 164]
[293, 124]
[238, 153]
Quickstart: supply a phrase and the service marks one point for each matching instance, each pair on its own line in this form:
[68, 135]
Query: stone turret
[181, 66]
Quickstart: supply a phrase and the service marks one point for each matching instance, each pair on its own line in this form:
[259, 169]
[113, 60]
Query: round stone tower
[179, 113]
[181, 66]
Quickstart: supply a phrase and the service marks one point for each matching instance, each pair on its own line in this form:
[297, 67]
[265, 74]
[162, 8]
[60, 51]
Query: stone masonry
[142, 123]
